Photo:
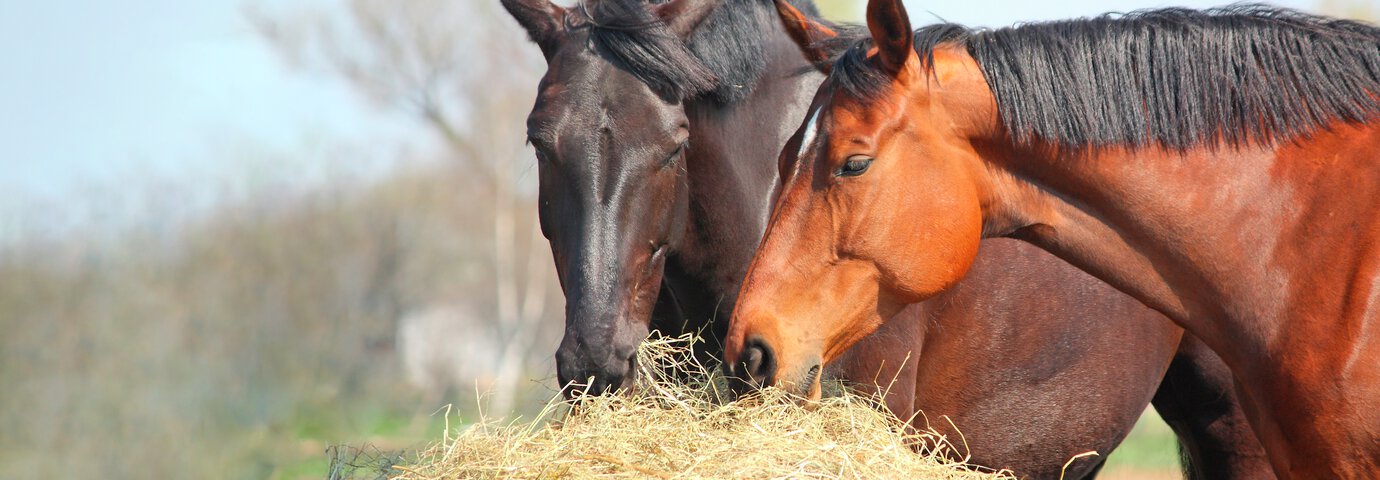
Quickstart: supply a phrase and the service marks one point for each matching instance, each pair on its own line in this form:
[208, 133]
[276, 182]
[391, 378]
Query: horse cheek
[943, 226]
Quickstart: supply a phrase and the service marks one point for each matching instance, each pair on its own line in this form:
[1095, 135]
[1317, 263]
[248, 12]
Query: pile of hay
[672, 428]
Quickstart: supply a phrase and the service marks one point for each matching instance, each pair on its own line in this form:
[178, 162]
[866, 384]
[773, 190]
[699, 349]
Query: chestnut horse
[1223, 167]
[655, 187]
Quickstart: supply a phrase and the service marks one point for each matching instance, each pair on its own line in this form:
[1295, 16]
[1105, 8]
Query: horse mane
[1177, 78]
[722, 61]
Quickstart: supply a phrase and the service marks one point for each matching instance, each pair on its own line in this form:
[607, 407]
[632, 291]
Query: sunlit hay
[672, 426]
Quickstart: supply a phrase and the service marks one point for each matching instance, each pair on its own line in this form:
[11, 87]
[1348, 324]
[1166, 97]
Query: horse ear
[891, 33]
[683, 16]
[808, 34]
[542, 19]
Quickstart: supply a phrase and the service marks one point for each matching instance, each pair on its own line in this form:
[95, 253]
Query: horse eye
[542, 158]
[855, 165]
[674, 155]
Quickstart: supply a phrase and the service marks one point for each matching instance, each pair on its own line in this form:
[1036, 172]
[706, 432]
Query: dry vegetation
[677, 428]
[268, 326]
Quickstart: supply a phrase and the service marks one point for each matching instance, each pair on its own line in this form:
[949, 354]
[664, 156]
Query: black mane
[1178, 78]
[723, 59]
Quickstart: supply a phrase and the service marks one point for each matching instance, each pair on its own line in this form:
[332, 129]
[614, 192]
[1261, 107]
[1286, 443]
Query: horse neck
[1210, 237]
[732, 172]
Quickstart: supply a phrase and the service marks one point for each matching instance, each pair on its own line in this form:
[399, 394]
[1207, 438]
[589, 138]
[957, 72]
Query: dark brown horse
[657, 132]
[1223, 167]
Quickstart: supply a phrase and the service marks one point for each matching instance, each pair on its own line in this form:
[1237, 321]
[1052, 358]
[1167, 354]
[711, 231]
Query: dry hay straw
[674, 424]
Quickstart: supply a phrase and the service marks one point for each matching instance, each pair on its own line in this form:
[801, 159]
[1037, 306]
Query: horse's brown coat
[1022, 402]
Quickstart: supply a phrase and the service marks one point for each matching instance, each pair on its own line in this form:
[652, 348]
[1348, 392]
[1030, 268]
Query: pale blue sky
[99, 91]
[96, 91]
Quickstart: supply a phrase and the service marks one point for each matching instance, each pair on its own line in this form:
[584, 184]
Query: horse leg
[1198, 400]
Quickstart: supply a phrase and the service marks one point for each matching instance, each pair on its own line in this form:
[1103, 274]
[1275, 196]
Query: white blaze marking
[811, 129]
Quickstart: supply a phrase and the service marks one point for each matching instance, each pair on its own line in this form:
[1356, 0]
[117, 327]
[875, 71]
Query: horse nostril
[758, 363]
[752, 362]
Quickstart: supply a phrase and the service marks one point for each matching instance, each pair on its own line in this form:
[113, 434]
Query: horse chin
[816, 392]
[630, 380]
[813, 383]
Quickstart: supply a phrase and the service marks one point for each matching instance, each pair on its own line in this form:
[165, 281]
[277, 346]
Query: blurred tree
[466, 76]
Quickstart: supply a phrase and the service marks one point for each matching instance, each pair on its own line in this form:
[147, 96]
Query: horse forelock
[626, 34]
[723, 59]
[1174, 78]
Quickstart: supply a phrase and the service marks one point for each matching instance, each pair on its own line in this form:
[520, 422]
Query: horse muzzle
[583, 372]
